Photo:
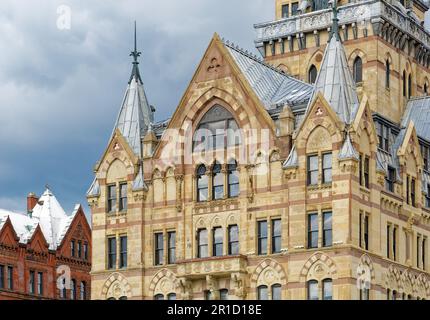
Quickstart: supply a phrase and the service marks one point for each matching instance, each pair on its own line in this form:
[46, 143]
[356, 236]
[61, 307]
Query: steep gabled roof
[272, 86]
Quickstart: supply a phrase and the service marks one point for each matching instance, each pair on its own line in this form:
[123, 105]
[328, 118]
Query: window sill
[322, 186]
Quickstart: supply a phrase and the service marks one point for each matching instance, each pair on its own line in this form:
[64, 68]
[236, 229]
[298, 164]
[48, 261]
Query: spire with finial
[335, 24]
[135, 54]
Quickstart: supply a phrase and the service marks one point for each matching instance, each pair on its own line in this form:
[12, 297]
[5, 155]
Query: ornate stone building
[303, 176]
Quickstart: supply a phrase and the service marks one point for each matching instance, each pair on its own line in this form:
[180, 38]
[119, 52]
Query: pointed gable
[38, 242]
[8, 235]
[334, 79]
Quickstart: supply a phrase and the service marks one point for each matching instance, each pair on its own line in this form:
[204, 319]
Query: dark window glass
[285, 10]
[111, 253]
[63, 292]
[79, 249]
[388, 241]
[276, 292]
[262, 237]
[387, 74]
[262, 293]
[123, 252]
[366, 232]
[233, 180]
[407, 189]
[313, 170]
[172, 247]
[313, 231]
[319, 5]
[327, 168]
[86, 250]
[360, 231]
[111, 198]
[358, 70]
[327, 289]
[1, 277]
[73, 290]
[423, 253]
[364, 294]
[32, 284]
[40, 283]
[394, 243]
[233, 240]
[217, 242]
[404, 83]
[223, 294]
[9, 278]
[313, 290]
[428, 196]
[202, 236]
[425, 154]
[360, 171]
[159, 248]
[391, 179]
[159, 297]
[294, 8]
[410, 86]
[327, 234]
[426, 89]
[413, 184]
[171, 296]
[366, 172]
[72, 248]
[202, 184]
[123, 197]
[217, 182]
[276, 236]
[83, 290]
[312, 74]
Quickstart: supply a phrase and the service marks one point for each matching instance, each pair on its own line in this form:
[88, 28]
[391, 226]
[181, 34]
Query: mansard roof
[48, 214]
[272, 86]
[418, 111]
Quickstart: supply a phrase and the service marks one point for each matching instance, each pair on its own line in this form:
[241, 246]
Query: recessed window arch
[217, 130]
[262, 293]
[387, 74]
[312, 74]
[217, 181]
[233, 179]
[202, 184]
[426, 89]
[357, 70]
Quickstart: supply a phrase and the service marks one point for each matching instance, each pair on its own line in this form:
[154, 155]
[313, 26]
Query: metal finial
[47, 187]
[135, 54]
[335, 27]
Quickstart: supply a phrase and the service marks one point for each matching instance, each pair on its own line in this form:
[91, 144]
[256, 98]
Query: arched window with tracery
[358, 70]
[202, 184]
[312, 74]
[217, 130]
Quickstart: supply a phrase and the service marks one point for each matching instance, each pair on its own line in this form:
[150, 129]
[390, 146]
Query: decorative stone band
[377, 12]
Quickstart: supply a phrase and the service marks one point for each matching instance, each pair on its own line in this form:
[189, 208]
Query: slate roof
[348, 151]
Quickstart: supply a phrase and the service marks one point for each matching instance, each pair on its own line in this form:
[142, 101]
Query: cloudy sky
[61, 88]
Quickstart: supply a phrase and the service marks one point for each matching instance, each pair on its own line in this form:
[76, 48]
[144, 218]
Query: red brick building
[35, 246]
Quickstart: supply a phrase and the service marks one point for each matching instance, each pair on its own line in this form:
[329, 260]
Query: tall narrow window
[217, 242]
[285, 10]
[409, 86]
[112, 253]
[312, 74]
[425, 154]
[233, 240]
[40, 283]
[83, 290]
[73, 290]
[202, 184]
[327, 289]
[358, 70]
[327, 232]
[313, 230]
[404, 83]
[172, 247]
[86, 250]
[366, 232]
[360, 170]
[223, 294]
[366, 172]
[262, 237]
[387, 74]
[63, 291]
[394, 243]
[111, 196]
[418, 251]
[413, 184]
[426, 89]
[123, 252]
[313, 290]
[388, 241]
[233, 179]
[327, 168]
[72, 248]
[423, 253]
[79, 249]
[202, 251]
[32, 285]
[408, 181]
[263, 293]
[294, 8]
[276, 236]
[313, 170]
[428, 196]
[159, 249]
[390, 179]
[364, 294]
[217, 182]
[1, 277]
[276, 292]
[9, 278]
[123, 197]
[360, 230]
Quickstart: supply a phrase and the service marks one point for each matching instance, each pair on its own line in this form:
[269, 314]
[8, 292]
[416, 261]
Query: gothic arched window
[233, 179]
[217, 182]
[202, 184]
[217, 130]
[262, 293]
[358, 70]
[426, 89]
[312, 74]
[387, 74]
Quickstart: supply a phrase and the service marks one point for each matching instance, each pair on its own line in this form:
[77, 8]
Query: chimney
[31, 202]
